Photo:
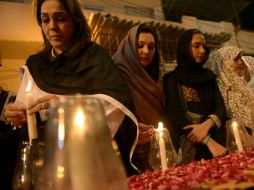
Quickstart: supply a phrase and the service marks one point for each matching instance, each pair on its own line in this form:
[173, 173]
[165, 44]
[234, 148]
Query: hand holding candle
[31, 119]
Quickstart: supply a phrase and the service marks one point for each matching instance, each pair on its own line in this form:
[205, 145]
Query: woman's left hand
[198, 132]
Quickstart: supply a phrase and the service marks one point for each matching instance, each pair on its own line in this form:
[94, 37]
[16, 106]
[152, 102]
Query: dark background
[247, 17]
[239, 12]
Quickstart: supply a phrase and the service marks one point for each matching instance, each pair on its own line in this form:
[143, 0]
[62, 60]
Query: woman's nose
[202, 49]
[145, 49]
[52, 24]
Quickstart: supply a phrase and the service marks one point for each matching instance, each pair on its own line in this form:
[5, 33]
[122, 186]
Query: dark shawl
[90, 72]
[191, 74]
[147, 95]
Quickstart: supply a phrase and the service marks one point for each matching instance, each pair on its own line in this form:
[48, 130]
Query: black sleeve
[175, 114]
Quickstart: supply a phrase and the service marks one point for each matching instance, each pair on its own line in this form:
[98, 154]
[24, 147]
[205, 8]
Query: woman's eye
[60, 18]
[140, 46]
[151, 48]
[45, 20]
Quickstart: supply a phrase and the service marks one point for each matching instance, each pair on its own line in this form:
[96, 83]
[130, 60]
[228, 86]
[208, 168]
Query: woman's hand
[216, 149]
[197, 134]
[145, 133]
[40, 104]
[199, 131]
[15, 114]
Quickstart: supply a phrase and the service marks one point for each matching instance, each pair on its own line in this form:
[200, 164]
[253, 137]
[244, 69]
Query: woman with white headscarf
[232, 77]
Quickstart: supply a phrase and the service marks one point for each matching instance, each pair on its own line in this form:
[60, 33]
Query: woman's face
[145, 48]
[197, 47]
[239, 66]
[56, 25]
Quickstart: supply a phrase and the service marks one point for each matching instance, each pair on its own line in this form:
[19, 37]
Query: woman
[70, 63]
[232, 77]
[137, 58]
[194, 105]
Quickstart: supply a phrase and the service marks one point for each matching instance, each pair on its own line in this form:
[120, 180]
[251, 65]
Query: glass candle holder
[162, 154]
[238, 139]
[30, 161]
[79, 153]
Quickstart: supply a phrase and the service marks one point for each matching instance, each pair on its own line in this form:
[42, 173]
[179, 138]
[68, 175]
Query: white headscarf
[236, 94]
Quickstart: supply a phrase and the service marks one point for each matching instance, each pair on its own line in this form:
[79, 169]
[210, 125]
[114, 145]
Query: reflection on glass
[79, 153]
[238, 139]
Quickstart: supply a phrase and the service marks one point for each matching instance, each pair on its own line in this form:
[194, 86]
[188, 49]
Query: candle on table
[31, 119]
[162, 147]
[237, 137]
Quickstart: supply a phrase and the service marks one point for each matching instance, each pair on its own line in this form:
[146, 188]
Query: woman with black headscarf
[194, 105]
[71, 63]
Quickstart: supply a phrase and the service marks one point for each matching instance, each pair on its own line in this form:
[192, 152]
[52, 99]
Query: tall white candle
[162, 147]
[237, 137]
[31, 119]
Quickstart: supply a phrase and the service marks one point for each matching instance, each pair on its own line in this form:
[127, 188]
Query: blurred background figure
[249, 61]
[8, 142]
[233, 75]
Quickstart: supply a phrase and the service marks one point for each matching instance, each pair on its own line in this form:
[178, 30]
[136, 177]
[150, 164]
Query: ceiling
[239, 12]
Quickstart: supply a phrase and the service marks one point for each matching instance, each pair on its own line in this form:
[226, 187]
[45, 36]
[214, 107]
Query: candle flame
[80, 119]
[234, 124]
[28, 87]
[160, 128]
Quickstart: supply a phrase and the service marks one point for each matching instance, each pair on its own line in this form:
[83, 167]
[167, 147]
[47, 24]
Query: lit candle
[31, 119]
[162, 147]
[80, 123]
[237, 137]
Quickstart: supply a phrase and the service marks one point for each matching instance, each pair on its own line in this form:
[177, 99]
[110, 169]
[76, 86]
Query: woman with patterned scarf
[232, 76]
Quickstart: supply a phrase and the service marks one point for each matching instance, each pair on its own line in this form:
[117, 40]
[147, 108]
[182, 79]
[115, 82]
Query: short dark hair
[153, 69]
[82, 34]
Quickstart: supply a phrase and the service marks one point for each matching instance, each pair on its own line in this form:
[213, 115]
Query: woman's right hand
[216, 149]
[145, 133]
[15, 114]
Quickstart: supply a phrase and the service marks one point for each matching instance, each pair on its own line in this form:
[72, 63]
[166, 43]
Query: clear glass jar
[79, 153]
[156, 152]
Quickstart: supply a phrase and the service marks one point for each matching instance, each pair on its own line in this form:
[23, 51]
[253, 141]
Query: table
[234, 171]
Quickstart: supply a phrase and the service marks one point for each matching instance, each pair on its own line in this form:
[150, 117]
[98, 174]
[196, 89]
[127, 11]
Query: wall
[19, 37]
[118, 6]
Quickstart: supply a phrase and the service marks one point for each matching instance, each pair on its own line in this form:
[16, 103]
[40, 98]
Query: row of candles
[33, 134]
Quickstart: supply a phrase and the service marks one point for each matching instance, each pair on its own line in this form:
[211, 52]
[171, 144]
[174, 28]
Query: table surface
[234, 171]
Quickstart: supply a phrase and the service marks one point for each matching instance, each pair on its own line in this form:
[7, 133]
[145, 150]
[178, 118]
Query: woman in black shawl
[70, 63]
[194, 105]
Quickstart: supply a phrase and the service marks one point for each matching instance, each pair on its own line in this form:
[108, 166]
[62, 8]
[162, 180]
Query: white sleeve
[115, 112]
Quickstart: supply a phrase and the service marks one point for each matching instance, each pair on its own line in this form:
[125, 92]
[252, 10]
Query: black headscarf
[92, 71]
[192, 74]
[188, 72]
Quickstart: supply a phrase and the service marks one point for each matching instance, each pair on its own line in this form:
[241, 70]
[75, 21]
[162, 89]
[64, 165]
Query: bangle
[215, 120]
[206, 139]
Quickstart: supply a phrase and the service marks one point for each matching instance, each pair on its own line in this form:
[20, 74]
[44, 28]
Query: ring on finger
[45, 105]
